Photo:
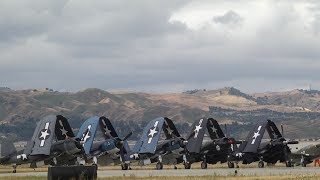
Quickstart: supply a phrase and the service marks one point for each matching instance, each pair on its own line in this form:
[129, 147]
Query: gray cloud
[229, 18]
[69, 45]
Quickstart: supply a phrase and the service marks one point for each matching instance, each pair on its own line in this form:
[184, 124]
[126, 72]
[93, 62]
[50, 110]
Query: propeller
[286, 149]
[183, 142]
[287, 141]
[119, 144]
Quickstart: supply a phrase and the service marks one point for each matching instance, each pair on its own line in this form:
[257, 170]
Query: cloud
[159, 45]
[229, 18]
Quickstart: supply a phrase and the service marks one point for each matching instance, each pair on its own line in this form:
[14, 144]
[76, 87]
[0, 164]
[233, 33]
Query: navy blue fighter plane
[52, 143]
[150, 149]
[255, 149]
[216, 149]
[110, 150]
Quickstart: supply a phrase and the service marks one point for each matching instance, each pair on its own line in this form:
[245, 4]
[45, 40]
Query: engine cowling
[110, 146]
[69, 146]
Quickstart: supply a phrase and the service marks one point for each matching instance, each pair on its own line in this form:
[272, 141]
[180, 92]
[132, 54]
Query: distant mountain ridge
[228, 105]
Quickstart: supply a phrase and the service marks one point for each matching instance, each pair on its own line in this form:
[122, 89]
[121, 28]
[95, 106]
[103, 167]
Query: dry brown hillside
[226, 104]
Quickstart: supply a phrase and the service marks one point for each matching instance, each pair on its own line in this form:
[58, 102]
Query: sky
[160, 46]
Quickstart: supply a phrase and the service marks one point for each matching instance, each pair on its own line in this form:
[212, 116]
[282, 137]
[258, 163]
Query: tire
[204, 165]
[303, 165]
[288, 164]
[187, 165]
[261, 164]
[230, 164]
[175, 167]
[159, 166]
[124, 166]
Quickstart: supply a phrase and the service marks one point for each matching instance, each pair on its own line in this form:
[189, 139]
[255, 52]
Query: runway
[194, 172]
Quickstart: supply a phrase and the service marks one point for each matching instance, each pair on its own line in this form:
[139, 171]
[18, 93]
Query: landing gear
[95, 165]
[261, 164]
[272, 164]
[175, 167]
[187, 165]
[288, 164]
[204, 165]
[14, 168]
[124, 166]
[159, 166]
[230, 164]
[302, 162]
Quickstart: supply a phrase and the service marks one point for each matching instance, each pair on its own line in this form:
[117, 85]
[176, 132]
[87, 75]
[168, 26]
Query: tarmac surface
[194, 172]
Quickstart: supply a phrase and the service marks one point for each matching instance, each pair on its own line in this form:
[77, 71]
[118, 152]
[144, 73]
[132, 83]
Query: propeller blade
[226, 129]
[293, 142]
[127, 136]
[122, 152]
[191, 135]
[282, 132]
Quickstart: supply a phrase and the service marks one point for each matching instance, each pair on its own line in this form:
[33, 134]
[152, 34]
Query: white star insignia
[64, 132]
[44, 134]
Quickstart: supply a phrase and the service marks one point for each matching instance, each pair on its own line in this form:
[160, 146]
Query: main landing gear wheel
[204, 165]
[187, 165]
[261, 164]
[14, 169]
[230, 164]
[124, 166]
[288, 164]
[159, 166]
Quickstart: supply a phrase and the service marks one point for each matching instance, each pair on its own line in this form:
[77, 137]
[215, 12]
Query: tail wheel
[261, 164]
[159, 166]
[230, 164]
[204, 165]
[187, 165]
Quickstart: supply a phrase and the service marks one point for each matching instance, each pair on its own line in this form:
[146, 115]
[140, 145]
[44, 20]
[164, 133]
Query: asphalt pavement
[195, 172]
